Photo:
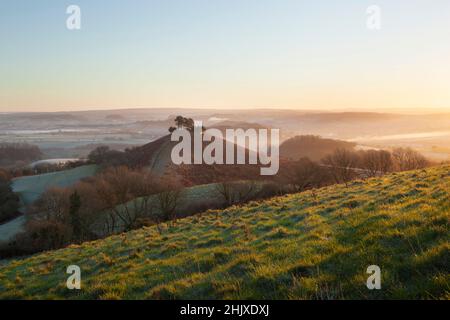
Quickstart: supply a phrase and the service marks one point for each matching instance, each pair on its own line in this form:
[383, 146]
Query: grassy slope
[31, 187]
[298, 246]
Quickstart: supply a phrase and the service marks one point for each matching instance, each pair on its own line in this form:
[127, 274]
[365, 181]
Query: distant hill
[156, 155]
[115, 117]
[313, 147]
[228, 124]
[302, 246]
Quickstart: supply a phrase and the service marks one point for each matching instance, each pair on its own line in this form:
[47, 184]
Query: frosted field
[30, 188]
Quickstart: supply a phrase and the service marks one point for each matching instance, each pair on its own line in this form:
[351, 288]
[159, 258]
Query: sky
[289, 54]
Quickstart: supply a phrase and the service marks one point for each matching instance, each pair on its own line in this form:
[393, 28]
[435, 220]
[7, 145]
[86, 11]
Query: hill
[313, 147]
[156, 155]
[311, 245]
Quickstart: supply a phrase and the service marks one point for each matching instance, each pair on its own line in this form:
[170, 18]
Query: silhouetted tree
[182, 122]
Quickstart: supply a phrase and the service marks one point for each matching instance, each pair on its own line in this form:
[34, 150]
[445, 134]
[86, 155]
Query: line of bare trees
[341, 166]
[345, 165]
[118, 199]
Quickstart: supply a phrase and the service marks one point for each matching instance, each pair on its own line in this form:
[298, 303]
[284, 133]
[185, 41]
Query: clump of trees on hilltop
[182, 122]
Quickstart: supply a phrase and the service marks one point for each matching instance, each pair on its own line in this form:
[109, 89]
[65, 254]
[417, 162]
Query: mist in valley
[72, 135]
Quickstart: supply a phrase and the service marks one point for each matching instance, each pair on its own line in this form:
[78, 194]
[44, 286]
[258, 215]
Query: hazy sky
[224, 54]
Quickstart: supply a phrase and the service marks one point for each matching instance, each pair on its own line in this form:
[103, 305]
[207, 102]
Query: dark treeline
[13, 153]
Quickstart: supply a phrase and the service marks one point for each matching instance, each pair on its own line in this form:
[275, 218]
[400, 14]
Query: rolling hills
[311, 245]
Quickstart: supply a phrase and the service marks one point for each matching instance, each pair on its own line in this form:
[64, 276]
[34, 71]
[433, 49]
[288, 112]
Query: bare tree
[341, 164]
[376, 163]
[234, 192]
[386, 162]
[408, 159]
[52, 205]
[142, 206]
[168, 199]
[225, 190]
[126, 196]
[303, 174]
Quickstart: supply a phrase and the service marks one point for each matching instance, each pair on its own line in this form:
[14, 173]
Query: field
[30, 188]
[311, 245]
[11, 228]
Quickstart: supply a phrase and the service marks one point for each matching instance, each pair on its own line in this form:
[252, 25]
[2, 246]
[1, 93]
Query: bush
[43, 236]
[103, 155]
[271, 189]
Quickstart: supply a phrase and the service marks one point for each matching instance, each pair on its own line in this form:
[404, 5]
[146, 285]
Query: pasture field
[310, 245]
[30, 188]
[9, 229]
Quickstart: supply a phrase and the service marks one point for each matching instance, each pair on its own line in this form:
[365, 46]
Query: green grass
[301, 246]
[30, 188]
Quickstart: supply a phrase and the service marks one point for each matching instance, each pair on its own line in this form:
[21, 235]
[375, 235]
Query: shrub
[44, 235]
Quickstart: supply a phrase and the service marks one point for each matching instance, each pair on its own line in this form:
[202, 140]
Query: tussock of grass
[292, 247]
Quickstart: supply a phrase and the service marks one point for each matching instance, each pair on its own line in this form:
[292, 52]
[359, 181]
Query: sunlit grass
[299, 246]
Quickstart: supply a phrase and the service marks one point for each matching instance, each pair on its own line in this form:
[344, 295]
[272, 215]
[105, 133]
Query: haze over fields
[75, 134]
